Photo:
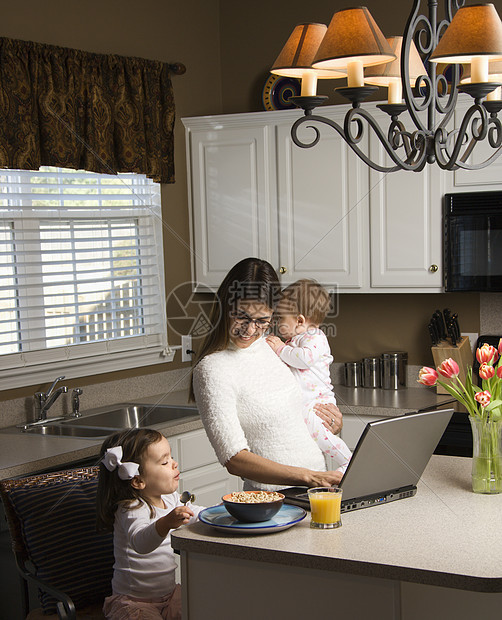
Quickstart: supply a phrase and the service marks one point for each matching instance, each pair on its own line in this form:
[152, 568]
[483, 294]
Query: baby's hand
[179, 516]
[274, 342]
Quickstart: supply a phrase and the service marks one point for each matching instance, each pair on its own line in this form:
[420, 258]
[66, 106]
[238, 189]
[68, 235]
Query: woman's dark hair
[114, 492]
[251, 279]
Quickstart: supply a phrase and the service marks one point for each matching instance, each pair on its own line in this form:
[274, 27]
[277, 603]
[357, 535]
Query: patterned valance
[74, 109]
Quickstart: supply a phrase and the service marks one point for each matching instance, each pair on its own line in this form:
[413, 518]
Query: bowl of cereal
[253, 506]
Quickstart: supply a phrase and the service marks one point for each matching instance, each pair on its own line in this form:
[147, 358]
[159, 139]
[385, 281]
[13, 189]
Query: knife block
[462, 354]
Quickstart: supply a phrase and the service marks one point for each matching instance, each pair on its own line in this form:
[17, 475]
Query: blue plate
[219, 518]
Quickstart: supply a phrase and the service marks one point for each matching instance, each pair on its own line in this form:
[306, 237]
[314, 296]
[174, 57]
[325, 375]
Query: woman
[249, 401]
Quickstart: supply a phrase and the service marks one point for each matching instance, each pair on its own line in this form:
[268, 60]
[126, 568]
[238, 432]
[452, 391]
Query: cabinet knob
[433, 268]
[282, 270]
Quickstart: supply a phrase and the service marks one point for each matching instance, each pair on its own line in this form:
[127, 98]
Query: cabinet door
[209, 484]
[232, 190]
[406, 226]
[322, 209]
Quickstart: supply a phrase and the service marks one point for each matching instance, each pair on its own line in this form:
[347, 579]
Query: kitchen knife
[452, 333]
[433, 333]
[456, 327]
[441, 324]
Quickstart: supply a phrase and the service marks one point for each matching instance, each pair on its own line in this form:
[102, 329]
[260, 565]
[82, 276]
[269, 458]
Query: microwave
[473, 241]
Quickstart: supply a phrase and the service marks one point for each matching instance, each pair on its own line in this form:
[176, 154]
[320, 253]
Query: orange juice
[325, 506]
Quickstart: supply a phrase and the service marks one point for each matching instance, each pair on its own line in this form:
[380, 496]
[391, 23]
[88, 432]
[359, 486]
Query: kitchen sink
[102, 422]
[66, 431]
[133, 416]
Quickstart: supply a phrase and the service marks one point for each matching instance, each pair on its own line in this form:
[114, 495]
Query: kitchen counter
[386, 403]
[22, 454]
[410, 559]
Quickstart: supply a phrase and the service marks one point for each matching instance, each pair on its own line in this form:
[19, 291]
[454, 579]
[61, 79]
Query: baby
[302, 308]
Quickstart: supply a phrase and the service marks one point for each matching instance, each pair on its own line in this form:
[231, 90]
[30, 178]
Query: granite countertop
[444, 536]
[22, 454]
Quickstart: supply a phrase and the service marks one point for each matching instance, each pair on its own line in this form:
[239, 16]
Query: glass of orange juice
[325, 507]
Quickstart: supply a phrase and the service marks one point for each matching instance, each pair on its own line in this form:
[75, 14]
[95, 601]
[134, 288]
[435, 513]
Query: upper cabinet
[313, 213]
[323, 210]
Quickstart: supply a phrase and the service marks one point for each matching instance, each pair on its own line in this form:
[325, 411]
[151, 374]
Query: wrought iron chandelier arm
[476, 120]
[352, 133]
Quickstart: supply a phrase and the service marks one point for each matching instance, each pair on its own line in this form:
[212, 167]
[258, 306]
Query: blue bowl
[252, 512]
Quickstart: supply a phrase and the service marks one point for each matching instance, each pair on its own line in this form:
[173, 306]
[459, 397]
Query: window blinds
[81, 264]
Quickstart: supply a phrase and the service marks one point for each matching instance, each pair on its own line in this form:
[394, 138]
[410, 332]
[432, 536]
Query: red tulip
[427, 376]
[486, 371]
[500, 347]
[486, 354]
[483, 398]
[499, 372]
[449, 368]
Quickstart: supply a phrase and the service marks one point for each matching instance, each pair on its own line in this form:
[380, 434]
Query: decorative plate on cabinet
[278, 90]
[219, 518]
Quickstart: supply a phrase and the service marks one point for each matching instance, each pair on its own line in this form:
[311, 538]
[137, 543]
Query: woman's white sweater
[249, 400]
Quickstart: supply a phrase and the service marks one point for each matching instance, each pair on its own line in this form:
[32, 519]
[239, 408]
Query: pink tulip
[449, 368]
[500, 347]
[486, 354]
[427, 376]
[486, 371]
[483, 398]
[499, 372]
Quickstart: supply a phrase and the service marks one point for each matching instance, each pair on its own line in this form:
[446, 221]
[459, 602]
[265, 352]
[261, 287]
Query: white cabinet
[405, 225]
[232, 187]
[323, 209]
[313, 213]
[201, 473]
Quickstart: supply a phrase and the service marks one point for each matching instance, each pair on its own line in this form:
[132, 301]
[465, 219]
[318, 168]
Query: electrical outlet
[186, 346]
[473, 339]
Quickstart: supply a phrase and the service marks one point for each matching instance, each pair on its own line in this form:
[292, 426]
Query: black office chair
[52, 522]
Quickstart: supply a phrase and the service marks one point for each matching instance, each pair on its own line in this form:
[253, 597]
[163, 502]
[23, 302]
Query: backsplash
[20, 410]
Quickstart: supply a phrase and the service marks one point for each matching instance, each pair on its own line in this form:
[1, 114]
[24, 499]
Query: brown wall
[228, 48]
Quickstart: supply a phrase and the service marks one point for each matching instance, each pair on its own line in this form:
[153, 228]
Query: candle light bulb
[309, 84]
[479, 69]
[395, 92]
[355, 74]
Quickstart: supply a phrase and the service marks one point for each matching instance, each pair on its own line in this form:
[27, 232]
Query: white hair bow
[112, 460]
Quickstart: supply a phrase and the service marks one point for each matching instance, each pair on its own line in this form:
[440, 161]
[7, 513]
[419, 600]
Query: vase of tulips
[484, 405]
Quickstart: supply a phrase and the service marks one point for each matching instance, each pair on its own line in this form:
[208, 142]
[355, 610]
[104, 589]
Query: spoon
[186, 497]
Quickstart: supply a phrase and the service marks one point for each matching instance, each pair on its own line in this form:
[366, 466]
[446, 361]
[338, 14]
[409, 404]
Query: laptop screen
[393, 453]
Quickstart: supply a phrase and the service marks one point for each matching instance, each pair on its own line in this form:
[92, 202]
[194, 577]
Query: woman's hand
[324, 478]
[179, 516]
[274, 342]
[331, 416]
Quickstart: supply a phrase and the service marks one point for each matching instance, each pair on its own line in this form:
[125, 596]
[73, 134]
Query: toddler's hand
[274, 342]
[179, 516]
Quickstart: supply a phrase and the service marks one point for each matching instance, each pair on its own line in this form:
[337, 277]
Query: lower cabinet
[201, 472]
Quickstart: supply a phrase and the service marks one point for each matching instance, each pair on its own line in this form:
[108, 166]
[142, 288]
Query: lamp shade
[299, 51]
[352, 36]
[382, 75]
[474, 31]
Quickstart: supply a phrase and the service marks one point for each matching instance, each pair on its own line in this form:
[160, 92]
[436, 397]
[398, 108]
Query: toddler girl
[302, 308]
[137, 498]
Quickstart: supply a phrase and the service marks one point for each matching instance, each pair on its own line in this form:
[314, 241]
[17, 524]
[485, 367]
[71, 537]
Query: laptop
[387, 462]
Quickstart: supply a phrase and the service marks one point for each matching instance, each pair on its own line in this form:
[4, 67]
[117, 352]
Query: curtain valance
[75, 109]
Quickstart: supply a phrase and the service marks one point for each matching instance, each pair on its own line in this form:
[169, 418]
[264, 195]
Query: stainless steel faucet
[45, 400]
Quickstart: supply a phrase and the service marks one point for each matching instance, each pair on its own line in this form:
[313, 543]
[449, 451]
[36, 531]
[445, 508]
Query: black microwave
[473, 241]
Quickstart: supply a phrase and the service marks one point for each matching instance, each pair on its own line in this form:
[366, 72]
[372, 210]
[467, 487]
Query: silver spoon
[186, 497]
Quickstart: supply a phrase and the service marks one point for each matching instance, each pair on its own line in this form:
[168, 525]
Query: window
[81, 275]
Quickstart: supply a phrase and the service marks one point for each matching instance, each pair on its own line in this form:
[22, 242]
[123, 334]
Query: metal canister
[353, 374]
[393, 366]
[371, 372]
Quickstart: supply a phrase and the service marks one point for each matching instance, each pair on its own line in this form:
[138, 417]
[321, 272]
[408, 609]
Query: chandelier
[354, 47]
